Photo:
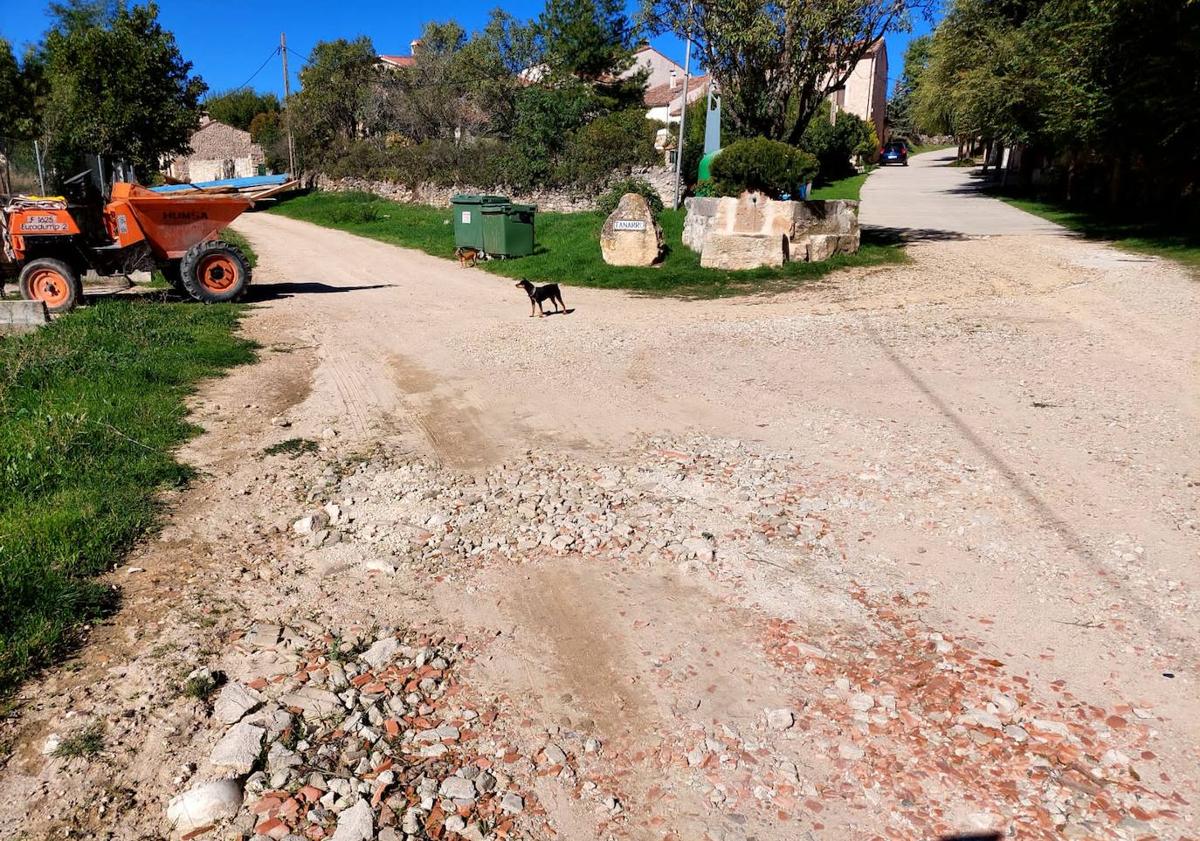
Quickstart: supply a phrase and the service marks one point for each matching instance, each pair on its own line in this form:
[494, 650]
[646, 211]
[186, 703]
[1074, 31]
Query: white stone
[846, 750]
[512, 803]
[780, 719]
[204, 805]
[356, 823]
[238, 749]
[382, 652]
[457, 788]
[861, 701]
[233, 702]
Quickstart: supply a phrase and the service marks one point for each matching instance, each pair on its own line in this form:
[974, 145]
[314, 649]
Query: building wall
[865, 93]
[659, 65]
[218, 151]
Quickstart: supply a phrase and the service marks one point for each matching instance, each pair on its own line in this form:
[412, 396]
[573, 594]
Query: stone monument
[631, 236]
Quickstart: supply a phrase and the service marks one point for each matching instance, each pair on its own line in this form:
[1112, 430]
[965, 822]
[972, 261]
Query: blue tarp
[237, 183]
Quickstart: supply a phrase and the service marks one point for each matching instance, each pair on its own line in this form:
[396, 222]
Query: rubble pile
[351, 738]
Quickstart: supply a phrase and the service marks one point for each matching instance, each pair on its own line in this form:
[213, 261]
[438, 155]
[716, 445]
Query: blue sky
[228, 54]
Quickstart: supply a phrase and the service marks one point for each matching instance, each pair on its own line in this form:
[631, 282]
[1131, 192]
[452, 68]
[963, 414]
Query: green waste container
[468, 218]
[508, 229]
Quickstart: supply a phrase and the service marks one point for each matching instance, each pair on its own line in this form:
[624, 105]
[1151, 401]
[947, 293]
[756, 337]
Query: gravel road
[908, 552]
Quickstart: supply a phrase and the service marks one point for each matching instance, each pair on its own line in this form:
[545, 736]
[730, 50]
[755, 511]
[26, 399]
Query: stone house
[219, 151]
[865, 92]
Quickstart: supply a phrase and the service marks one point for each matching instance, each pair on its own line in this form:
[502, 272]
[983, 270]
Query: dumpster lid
[474, 198]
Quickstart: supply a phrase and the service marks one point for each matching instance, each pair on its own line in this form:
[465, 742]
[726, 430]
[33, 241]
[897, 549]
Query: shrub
[607, 203]
[837, 146]
[614, 142]
[768, 166]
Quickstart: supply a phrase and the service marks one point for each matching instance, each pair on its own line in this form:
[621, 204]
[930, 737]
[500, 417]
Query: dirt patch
[685, 543]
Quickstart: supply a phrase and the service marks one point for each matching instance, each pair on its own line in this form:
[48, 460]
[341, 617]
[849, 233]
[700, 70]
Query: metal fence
[22, 167]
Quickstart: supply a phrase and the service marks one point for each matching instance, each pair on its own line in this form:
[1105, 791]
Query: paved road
[930, 197]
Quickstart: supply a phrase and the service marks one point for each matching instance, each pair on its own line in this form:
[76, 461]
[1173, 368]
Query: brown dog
[466, 256]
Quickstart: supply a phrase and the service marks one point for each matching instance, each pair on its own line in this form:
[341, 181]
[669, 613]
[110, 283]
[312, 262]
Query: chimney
[674, 79]
[414, 46]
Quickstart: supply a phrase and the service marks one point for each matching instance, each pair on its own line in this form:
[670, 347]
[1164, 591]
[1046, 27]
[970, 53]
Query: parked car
[894, 152]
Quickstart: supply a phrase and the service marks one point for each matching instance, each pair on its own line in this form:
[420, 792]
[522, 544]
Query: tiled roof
[398, 60]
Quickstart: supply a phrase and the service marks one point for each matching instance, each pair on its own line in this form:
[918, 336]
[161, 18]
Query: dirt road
[910, 552]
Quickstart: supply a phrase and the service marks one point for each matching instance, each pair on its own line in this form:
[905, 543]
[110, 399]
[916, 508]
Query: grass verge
[1142, 237]
[91, 408]
[568, 248]
[843, 188]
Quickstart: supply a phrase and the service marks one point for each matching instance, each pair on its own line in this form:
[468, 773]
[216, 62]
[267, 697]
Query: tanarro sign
[629, 225]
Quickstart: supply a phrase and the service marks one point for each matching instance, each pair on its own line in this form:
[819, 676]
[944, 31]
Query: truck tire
[214, 272]
[52, 282]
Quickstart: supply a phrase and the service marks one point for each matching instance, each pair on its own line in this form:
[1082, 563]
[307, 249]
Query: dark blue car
[893, 153]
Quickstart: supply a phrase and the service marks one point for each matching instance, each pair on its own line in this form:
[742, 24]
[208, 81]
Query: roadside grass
[930, 147]
[91, 409]
[844, 188]
[568, 249]
[81, 745]
[1142, 237]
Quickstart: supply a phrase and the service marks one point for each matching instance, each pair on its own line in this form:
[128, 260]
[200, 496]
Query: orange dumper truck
[50, 242]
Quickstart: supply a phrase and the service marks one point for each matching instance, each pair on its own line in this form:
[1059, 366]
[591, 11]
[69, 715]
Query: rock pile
[351, 738]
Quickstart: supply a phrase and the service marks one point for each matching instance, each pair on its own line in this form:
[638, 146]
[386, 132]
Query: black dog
[537, 294]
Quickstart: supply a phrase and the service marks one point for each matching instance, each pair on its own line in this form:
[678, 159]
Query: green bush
[614, 142]
[607, 203]
[767, 166]
[837, 146]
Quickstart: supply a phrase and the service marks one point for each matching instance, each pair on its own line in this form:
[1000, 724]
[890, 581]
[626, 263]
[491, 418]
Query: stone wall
[438, 195]
[753, 231]
[218, 151]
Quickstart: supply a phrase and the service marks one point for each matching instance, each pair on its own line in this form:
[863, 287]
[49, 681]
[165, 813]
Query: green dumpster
[508, 229]
[468, 218]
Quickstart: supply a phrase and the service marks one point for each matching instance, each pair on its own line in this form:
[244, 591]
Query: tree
[238, 107]
[837, 144]
[337, 99]
[14, 106]
[901, 114]
[776, 60]
[592, 41]
[118, 86]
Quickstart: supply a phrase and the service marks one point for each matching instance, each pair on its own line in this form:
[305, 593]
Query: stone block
[22, 316]
[701, 212]
[631, 236]
[736, 252]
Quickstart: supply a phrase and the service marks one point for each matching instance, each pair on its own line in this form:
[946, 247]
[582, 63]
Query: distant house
[402, 60]
[865, 92]
[219, 151]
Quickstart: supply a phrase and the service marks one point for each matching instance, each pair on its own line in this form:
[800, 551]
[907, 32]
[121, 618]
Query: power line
[267, 60]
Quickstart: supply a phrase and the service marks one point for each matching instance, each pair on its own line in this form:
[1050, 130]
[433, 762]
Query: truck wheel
[51, 281]
[214, 272]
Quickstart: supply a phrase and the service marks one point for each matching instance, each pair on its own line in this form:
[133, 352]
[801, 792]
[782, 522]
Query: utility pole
[287, 108]
[687, 65]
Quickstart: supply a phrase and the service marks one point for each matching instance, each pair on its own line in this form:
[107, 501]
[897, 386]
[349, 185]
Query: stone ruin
[753, 231]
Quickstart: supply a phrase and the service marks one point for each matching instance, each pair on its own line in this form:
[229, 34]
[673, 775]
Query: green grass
[91, 409]
[234, 238]
[82, 744]
[930, 147]
[295, 447]
[1142, 237]
[568, 249]
[845, 188]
